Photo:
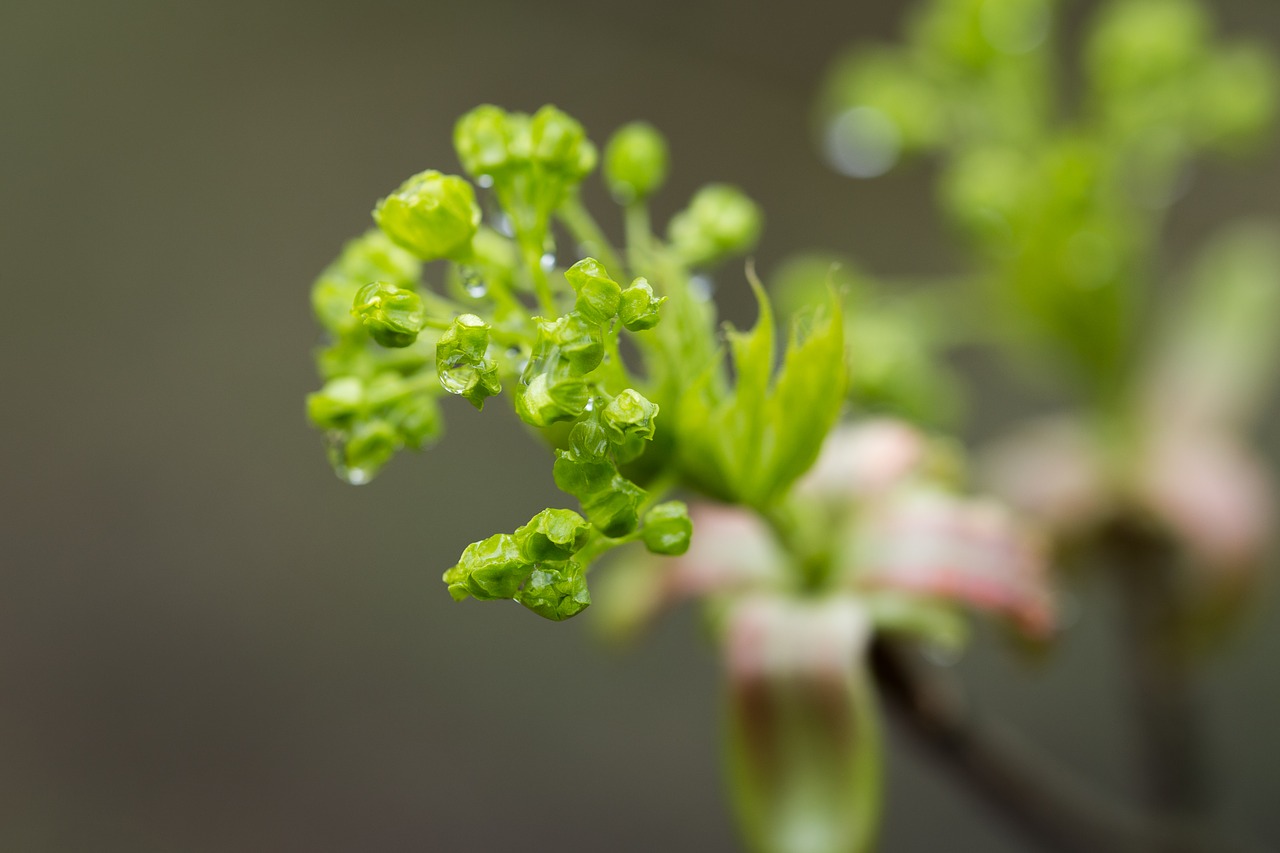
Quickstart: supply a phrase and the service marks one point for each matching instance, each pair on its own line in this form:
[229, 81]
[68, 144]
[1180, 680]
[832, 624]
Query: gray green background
[209, 643]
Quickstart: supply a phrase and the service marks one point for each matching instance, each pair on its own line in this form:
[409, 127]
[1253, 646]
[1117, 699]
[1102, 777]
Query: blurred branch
[1170, 743]
[1021, 786]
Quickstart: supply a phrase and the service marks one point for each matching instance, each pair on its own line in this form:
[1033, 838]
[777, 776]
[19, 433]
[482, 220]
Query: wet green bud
[552, 535]
[611, 502]
[570, 344]
[336, 404]
[489, 570]
[461, 361]
[719, 221]
[432, 215]
[639, 308]
[484, 139]
[559, 144]
[635, 161]
[369, 257]
[630, 415]
[370, 446]
[417, 419]
[582, 477]
[589, 439]
[549, 398]
[556, 591]
[615, 511]
[667, 529]
[1137, 44]
[393, 316]
[598, 295]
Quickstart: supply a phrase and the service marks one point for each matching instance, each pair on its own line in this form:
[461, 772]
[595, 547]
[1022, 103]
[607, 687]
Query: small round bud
[589, 439]
[461, 361]
[570, 342]
[548, 399]
[598, 295]
[417, 418]
[336, 404]
[490, 569]
[483, 140]
[370, 446]
[432, 215]
[667, 529]
[635, 161]
[630, 415]
[559, 144]
[556, 591]
[393, 316]
[639, 308]
[719, 221]
[552, 535]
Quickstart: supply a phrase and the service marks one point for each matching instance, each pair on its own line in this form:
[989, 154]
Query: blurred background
[210, 643]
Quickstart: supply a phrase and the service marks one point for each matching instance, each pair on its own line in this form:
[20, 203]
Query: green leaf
[807, 397]
[748, 444]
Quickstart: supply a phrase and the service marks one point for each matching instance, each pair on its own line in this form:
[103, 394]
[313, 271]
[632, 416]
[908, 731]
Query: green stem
[639, 236]
[531, 253]
[587, 232]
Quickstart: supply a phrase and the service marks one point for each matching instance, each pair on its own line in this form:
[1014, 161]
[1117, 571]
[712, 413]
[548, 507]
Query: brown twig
[1051, 809]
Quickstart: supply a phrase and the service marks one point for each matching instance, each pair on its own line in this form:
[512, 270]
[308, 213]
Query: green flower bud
[616, 510]
[589, 439]
[552, 535]
[610, 501]
[484, 140]
[560, 145]
[635, 161]
[549, 398]
[1137, 44]
[570, 344]
[667, 529]
[630, 415]
[719, 221]
[393, 316]
[582, 477]
[639, 308]
[370, 446]
[556, 591]
[370, 257]
[598, 295]
[489, 570]
[336, 404]
[417, 419]
[461, 363]
[432, 215]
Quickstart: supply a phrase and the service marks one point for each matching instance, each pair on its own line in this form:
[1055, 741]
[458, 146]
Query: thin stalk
[587, 232]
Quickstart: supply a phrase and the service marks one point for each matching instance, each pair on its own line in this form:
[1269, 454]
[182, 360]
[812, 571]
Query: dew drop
[862, 142]
[473, 282]
[943, 656]
[355, 476]
[701, 286]
[485, 181]
[548, 262]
